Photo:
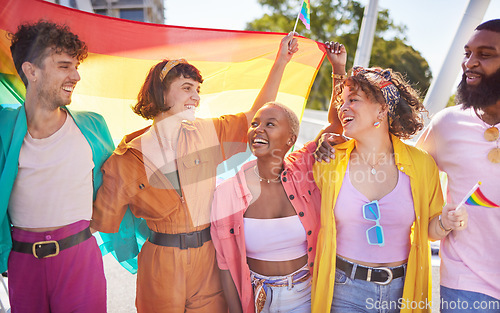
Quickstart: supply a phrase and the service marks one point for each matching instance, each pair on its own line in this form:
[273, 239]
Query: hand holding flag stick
[473, 197]
[456, 216]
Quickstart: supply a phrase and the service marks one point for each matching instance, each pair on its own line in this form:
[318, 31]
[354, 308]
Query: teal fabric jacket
[13, 128]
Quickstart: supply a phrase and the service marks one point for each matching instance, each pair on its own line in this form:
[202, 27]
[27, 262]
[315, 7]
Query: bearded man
[464, 141]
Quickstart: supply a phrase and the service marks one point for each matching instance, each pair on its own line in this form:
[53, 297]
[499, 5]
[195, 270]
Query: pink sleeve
[303, 159]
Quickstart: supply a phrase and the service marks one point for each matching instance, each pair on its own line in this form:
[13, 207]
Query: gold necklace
[373, 171]
[274, 180]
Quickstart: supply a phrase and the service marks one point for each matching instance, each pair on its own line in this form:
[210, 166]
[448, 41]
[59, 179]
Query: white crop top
[53, 186]
[276, 239]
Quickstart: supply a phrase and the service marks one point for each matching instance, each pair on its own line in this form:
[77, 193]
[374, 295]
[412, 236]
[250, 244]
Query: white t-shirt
[470, 259]
[54, 181]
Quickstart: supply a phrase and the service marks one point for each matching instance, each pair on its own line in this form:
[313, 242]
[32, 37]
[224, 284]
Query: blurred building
[150, 11]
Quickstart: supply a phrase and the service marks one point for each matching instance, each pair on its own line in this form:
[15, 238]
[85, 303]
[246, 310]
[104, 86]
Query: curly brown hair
[31, 41]
[406, 120]
[150, 101]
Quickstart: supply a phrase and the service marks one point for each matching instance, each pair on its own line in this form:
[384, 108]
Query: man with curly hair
[50, 160]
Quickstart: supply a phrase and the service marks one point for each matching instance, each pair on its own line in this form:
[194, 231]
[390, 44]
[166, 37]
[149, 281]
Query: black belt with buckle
[183, 241]
[378, 275]
[50, 248]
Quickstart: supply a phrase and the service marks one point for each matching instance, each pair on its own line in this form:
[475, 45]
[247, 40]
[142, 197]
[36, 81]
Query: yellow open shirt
[427, 202]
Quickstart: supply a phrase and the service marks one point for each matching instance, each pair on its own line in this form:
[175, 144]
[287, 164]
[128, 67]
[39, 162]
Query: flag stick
[297, 20]
[468, 194]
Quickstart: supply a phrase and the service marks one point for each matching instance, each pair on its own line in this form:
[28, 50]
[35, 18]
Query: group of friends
[341, 225]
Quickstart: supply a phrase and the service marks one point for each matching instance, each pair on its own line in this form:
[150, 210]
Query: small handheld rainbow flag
[304, 15]
[476, 197]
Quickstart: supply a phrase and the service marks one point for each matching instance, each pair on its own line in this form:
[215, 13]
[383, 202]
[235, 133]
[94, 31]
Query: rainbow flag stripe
[234, 64]
[305, 13]
[478, 198]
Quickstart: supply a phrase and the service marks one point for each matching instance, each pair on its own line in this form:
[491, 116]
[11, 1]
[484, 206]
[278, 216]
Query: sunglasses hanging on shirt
[374, 234]
[491, 134]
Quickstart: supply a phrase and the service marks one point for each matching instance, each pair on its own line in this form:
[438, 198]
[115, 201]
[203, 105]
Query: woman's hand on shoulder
[325, 150]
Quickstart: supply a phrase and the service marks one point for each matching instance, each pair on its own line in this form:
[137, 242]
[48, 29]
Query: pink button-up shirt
[231, 200]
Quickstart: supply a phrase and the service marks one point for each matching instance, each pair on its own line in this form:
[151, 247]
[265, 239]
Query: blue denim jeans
[463, 301]
[355, 295]
[296, 297]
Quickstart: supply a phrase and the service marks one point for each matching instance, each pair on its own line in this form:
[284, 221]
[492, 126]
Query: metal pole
[365, 41]
[440, 89]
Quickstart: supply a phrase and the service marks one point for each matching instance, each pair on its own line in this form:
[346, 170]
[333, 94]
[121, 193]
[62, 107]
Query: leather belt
[378, 275]
[183, 241]
[50, 248]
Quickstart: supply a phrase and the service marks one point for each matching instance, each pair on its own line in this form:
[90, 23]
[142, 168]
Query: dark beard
[485, 94]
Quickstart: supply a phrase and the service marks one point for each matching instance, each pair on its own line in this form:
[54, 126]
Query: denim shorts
[463, 301]
[355, 295]
[296, 297]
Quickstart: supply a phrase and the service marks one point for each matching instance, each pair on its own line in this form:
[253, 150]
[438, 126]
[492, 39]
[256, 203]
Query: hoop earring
[376, 124]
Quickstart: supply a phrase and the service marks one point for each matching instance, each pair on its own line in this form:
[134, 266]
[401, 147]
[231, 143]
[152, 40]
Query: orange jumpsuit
[170, 279]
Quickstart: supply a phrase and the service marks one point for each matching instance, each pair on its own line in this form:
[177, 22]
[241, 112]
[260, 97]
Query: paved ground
[121, 286]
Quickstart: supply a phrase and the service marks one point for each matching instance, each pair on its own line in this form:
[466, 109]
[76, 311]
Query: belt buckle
[45, 243]
[191, 240]
[389, 275]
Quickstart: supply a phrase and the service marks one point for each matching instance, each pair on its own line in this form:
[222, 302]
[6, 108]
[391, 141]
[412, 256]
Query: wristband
[442, 226]
[339, 76]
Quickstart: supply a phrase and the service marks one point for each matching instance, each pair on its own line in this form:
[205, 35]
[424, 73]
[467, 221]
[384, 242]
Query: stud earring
[376, 124]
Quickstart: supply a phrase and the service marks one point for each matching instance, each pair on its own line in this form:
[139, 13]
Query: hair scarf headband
[170, 65]
[381, 79]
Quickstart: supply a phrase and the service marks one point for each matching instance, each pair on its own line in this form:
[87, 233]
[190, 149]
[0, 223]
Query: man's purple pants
[72, 281]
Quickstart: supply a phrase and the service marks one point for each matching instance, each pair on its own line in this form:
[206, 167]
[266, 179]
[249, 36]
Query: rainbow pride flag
[478, 198]
[305, 13]
[234, 64]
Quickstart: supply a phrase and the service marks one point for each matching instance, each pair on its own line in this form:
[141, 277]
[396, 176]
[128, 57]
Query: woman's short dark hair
[31, 40]
[150, 101]
[292, 118]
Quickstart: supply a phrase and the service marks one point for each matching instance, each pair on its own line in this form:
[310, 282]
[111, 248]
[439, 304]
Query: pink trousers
[72, 281]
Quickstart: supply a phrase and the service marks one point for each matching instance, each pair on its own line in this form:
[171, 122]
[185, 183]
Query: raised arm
[332, 134]
[337, 56]
[269, 91]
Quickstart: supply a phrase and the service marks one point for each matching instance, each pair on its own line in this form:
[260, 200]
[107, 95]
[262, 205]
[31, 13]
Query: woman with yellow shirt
[381, 200]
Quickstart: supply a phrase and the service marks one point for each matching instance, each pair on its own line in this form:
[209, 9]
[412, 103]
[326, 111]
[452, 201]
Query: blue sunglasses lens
[375, 235]
[371, 212]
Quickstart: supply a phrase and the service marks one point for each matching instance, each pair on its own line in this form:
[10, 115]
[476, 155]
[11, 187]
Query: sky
[431, 24]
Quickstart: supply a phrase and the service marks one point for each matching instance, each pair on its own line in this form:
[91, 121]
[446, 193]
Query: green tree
[451, 101]
[341, 21]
